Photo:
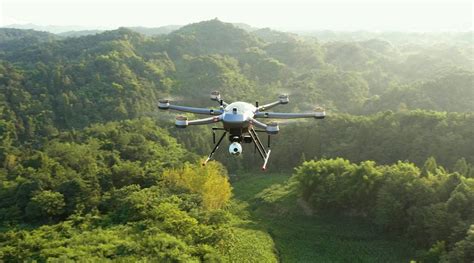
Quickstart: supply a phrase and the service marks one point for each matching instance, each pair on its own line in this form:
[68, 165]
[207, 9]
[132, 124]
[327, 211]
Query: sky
[287, 15]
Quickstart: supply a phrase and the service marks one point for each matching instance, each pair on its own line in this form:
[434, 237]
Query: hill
[155, 31]
[80, 33]
[16, 39]
[54, 29]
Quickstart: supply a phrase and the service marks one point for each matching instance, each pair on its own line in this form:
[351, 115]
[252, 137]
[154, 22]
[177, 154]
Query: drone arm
[279, 115]
[182, 121]
[204, 121]
[258, 124]
[165, 105]
[196, 110]
[282, 99]
[268, 106]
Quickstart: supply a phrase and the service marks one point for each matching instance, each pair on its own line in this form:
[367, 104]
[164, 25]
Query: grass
[318, 238]
[250, 245]
[246, 186]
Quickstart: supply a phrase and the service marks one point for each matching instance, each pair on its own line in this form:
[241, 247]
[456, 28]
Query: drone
[240, 121]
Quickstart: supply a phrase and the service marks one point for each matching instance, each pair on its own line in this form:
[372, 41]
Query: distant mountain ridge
[153, 31]
[55, 29]
[321, 35]
[76, 31]
[79, 33]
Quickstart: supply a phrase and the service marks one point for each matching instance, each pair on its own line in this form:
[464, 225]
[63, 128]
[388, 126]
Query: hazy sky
[402, 15]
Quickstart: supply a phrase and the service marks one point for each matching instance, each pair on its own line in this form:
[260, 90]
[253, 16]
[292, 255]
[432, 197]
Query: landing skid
[216, 146]
[260, 148]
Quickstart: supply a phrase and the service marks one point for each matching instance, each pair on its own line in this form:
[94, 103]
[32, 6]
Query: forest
[91, 170]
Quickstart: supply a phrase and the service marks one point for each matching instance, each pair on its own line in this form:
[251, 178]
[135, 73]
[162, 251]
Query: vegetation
[90, 170]
[304, 235]
[112, 192]
[430, 207]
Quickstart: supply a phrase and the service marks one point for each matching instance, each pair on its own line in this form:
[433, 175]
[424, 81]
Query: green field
[317, 238]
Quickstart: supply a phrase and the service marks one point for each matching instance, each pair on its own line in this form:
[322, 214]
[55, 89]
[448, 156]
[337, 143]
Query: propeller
[286, 91]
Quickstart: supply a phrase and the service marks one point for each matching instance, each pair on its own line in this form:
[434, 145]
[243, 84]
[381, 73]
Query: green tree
[461, 166]
[430, 166]
[45, 205]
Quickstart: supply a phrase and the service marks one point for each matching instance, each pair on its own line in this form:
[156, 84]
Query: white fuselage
[238, 115]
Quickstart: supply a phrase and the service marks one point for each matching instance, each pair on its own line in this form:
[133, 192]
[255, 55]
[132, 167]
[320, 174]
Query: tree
[45, 205]
[429, 167]
[461, 166]
[209, 181]
[463, 250]
[127, 173]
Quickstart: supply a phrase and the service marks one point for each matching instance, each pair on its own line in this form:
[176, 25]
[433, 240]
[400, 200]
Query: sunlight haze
[385, 15]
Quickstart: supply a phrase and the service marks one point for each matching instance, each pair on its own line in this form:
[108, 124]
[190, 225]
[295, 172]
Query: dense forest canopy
[86, 157]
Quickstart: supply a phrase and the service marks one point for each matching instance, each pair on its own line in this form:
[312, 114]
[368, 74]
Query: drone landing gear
[260, 148]
[264, 153]
[216, 146]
